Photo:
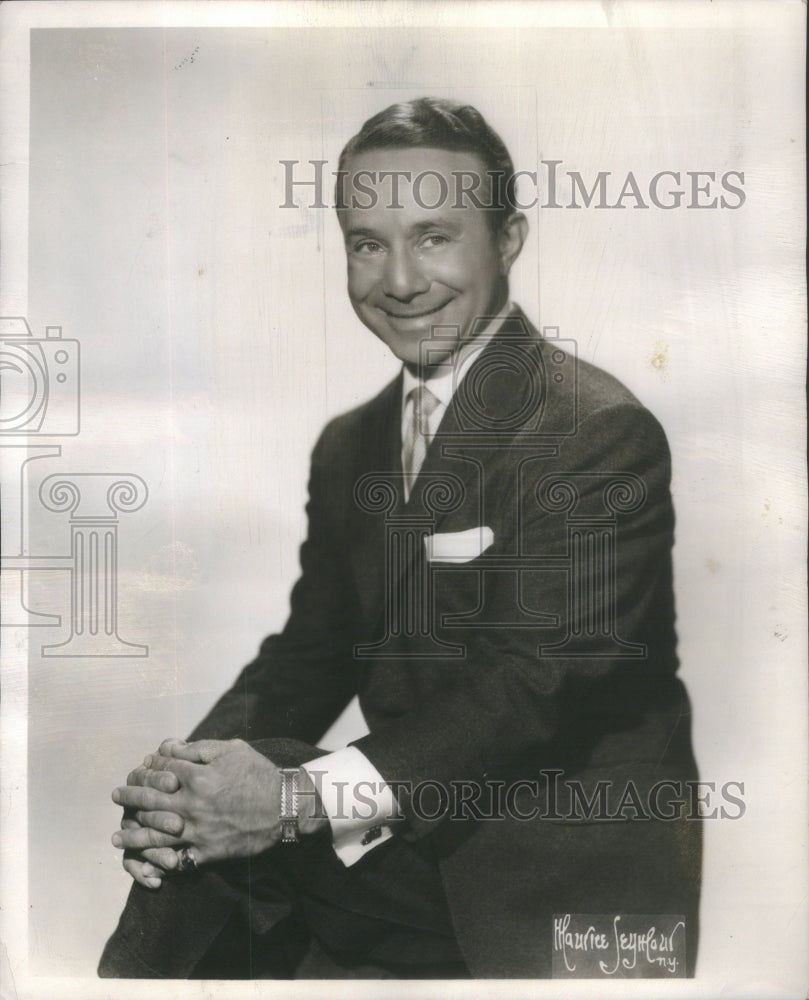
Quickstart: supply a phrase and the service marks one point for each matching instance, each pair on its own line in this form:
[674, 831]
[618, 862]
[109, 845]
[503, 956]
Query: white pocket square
[458, 546]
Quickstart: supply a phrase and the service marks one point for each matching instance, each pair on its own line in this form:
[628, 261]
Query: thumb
[199, 752]
[204, 751]
[175, 747]
[180, 750]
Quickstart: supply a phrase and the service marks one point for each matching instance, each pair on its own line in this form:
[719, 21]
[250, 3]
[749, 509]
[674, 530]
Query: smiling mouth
[418, 315]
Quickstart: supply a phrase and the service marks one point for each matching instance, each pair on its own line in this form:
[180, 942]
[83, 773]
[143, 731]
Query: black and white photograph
[404, 531]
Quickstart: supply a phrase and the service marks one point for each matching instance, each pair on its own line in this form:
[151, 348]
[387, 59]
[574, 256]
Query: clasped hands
[220, 797]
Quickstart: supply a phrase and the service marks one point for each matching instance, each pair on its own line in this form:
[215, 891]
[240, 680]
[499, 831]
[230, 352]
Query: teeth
[415, 315]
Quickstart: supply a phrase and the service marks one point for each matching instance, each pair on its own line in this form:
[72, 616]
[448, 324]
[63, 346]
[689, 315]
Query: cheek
[361, 279]
[467, 269]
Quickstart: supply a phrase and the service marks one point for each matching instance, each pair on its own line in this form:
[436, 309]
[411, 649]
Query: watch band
[289, 805]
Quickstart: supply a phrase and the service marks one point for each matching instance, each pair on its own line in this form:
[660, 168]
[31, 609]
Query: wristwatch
[289, 805]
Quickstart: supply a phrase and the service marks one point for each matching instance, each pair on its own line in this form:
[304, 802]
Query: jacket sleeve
[508, 704]
[303, 677]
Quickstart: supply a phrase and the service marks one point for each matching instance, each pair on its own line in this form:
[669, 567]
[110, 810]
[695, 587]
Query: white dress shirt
[359, 804]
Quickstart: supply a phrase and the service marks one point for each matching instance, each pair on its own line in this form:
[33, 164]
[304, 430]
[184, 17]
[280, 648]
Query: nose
[403, 277]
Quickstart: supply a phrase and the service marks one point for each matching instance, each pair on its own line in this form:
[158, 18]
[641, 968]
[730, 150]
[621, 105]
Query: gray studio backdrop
[216, 339]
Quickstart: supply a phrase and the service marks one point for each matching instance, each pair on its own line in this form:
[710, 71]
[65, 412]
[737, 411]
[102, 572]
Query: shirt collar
[449, 374]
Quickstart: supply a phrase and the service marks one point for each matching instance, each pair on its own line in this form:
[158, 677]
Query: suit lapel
[478, 418]
[379, 462]
[469, 431]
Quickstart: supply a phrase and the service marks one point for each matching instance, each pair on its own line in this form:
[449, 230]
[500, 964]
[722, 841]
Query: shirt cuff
[360, 805]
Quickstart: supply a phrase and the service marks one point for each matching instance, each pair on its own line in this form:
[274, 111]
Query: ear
[510, 240]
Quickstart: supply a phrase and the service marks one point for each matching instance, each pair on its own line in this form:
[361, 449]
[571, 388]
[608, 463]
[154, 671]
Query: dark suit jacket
[552, 651]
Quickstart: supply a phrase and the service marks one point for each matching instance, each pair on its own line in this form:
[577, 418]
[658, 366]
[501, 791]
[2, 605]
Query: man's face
[413, 268]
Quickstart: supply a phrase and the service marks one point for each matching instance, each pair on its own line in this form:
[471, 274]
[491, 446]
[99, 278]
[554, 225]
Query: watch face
[289, 832]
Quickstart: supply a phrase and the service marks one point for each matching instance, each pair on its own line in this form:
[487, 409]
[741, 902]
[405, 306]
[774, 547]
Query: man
[488, 567]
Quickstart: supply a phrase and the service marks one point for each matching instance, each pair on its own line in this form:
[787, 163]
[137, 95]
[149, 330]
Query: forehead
[395, 187]
[417, 159]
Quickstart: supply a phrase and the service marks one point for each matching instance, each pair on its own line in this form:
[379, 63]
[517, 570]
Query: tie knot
[424, 404]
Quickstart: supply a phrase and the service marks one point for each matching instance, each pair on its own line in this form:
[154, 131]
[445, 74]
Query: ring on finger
[186, 862]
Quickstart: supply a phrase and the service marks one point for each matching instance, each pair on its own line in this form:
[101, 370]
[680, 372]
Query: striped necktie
[417, 436]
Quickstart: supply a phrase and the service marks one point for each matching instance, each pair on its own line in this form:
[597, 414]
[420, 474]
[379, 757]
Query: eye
[368, 248]
[434, 240]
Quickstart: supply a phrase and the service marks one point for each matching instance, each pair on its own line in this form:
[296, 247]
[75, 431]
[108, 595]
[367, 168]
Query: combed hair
[440, 124]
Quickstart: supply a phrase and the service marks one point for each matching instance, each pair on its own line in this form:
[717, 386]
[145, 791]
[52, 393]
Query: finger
[204, 751]
[157, 861]
[160, 762]
[165, 823]
[149, 868]
[168, 746]
[142, 837]
[145, 798]
[165, 859]
[201, 752]
[162, 780]
[132, 777]
[183, 771]
[127, 823]
[144, 874]
[191, 752]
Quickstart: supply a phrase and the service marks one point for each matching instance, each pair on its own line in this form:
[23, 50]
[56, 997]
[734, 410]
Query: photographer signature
[621, 949]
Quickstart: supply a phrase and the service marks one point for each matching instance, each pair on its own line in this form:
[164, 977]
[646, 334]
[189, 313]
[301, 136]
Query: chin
[406, 353]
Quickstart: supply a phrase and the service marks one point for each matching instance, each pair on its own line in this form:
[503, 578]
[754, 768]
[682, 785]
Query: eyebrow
[441, 222]
[355, 231]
